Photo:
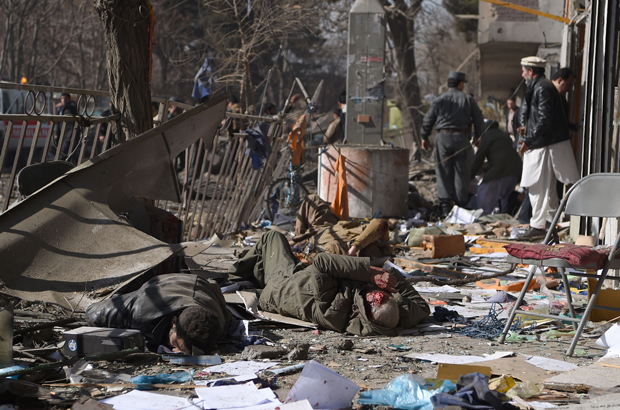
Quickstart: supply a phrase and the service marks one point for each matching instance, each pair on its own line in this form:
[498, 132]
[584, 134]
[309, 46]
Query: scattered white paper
[239, 368]
[612, 353]
[551, 365]
[466, 312]
[454, 359]
[298, 405]
[437, 289]
[141, 400]
[240, 379]
[610, 338]
[323, 388]
[463, 216]
[229, 397]
[537, 405]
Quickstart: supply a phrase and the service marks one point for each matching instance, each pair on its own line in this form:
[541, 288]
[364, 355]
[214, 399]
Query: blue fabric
[259, 144]
[204, 81]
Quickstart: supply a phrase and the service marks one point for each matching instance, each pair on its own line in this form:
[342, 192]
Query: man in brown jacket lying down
[340, 293]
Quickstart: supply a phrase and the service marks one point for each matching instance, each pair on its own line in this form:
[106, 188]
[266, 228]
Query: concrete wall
[498, 23]
[506, 35]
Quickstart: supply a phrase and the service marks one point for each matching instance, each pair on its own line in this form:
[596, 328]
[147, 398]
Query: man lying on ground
[181, 311]
[318, 223]
[340, 293]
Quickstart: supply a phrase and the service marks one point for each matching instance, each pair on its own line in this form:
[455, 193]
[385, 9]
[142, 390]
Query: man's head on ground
[511, 104]
[270, 109]
[194, 327]
[564, 79]
[532, 67]
[381, 308]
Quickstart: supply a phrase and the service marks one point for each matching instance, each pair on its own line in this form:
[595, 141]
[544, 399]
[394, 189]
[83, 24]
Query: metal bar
[569, 298]
[229, 149]
[202, 229]
[46, 88]
[83, 140]
[33, 146]
[262, 100]
[93, 148]
[48, 140]
[230, 181]
[196, 150]
[5, 149]
[528, 10]
[252, 117]
[18, 152]
[244, 178]
[218, 194]
[72, 142]
[60, 141]
[518, 303]
[194, 202]
[57, 118]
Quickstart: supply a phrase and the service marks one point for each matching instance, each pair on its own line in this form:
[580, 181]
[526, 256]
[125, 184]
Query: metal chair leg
[526, 285]
[586, 314]
[569, 297]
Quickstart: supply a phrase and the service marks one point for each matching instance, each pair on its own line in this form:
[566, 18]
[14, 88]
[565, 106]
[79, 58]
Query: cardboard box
[85, 340]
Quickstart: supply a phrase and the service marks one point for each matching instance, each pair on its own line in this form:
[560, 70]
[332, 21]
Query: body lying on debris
[339, 293]
[180, 311]
[317, 223]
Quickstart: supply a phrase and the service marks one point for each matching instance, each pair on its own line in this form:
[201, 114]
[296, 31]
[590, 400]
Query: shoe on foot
[532, 233]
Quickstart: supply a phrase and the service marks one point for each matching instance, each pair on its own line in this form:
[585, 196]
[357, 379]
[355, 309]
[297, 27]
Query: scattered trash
[404, 392]
[322, 387]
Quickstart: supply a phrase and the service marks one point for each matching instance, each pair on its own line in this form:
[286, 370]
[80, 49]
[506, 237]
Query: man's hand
[382, 279]
[524, 148]
[521, 130]
[353, 251]
[426, 145]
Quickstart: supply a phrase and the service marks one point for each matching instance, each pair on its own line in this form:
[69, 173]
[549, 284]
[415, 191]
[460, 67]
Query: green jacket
[330, 293]
[496, 147]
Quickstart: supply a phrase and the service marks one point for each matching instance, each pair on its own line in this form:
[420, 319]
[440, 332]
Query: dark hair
[453, 82]
[66, 95]
[197, 327]
[513, 99]
[233, 99]
[270, 106]
[565, 73]
[155, 105]
[338, 111]
[536, 70]
[342, 97]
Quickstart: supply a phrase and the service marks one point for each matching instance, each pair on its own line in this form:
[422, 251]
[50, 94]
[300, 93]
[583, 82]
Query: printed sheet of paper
[240, 368]
[454, 359]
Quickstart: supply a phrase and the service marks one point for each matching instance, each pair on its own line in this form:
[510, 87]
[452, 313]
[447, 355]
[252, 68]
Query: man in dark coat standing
[452, 114]
[547, 154]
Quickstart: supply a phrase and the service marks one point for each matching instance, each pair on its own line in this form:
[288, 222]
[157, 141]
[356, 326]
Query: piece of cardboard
[452, 372]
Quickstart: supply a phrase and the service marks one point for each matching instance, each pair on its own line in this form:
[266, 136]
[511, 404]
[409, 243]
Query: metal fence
[218, 196]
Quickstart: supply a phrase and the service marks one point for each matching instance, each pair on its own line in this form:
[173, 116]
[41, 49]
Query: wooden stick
[609, 365]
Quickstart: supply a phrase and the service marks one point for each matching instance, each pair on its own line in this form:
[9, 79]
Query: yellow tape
[528, 10]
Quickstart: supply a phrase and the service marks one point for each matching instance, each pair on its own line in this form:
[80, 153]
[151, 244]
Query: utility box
[86, 340]
[365, 73]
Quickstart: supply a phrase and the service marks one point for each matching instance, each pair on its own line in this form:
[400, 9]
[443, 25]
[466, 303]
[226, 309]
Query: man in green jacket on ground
[341, 293]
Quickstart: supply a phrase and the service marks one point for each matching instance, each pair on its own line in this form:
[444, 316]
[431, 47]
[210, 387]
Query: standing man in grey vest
[453, 114]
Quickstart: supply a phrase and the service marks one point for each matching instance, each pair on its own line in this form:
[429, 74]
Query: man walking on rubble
[452, 114]
[180, 311]
[340, 293]
[547, 153]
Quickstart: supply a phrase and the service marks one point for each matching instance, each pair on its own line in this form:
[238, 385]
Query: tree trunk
[402, 32]
[126, 25]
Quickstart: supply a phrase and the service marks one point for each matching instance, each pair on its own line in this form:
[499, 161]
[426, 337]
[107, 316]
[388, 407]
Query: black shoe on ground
[532, 233]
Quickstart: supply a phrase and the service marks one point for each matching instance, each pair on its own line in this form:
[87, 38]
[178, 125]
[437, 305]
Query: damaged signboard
[69, 236]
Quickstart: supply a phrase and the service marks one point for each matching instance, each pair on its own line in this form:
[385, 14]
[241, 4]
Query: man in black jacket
[547, 154]
[453, 113]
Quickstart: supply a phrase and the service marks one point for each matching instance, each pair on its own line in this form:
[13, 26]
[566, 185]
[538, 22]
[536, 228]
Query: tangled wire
[490, 326]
